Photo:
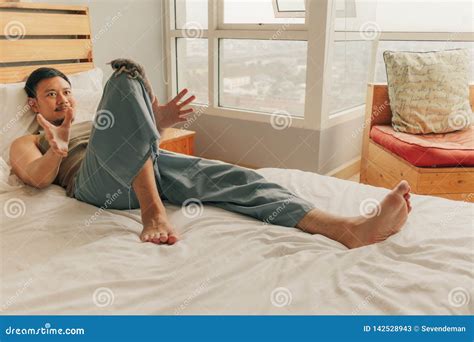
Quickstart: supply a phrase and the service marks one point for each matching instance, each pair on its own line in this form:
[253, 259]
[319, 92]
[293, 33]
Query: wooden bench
[380, 167]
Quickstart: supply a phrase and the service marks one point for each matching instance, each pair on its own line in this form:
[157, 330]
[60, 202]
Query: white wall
[128, 29]
[134, 29]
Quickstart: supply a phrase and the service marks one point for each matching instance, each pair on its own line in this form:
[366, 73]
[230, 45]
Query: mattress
[62, 256]
[428, 150]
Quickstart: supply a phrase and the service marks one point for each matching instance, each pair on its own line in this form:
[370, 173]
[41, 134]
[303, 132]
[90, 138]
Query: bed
[62, 256]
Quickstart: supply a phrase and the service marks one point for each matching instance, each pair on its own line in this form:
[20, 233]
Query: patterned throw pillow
[429, 91]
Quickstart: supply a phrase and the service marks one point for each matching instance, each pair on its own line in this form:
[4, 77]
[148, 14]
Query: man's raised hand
[58, 136]
[172, 112]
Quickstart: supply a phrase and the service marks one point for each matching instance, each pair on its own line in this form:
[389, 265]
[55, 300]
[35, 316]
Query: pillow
[429, 91]
[8, 182]
[17, 118]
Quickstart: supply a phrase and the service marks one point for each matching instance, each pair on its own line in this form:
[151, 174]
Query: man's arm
[30, 165]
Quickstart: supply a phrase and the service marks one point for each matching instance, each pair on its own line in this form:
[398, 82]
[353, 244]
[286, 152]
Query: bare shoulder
[26, 141]
[23, 151]
[25, 148]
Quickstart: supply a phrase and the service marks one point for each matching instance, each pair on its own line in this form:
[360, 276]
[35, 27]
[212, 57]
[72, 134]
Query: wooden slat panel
[393, 167]
[30, 24]
[381, 113]
[20, 73]
[458, 197]
[40, 6]
[460, 169]
[172, 134]
[444, 183]
[377, 177]
[44, 49]
[178, 140]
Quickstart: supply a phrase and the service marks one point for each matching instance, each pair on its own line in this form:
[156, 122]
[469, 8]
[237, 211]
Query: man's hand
[58, 136]
[172, 112]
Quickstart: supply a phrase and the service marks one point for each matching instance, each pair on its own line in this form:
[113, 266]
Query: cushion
[17, 118]
[429, 91]
[429, 150]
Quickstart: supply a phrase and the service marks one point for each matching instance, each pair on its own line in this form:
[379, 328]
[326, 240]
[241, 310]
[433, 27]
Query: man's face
[53, 96]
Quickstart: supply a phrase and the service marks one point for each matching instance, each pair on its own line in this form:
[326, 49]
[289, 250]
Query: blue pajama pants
[124, 136]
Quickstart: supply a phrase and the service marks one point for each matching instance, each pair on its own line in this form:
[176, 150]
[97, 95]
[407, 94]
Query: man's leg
[245, 191]
[156, 226]
[359, 231]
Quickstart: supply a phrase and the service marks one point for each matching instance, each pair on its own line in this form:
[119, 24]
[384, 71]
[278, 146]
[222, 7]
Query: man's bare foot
[159, 231]
[392, 215]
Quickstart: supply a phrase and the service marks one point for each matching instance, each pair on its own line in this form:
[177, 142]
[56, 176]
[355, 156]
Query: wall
[128, 29]
[134, 29]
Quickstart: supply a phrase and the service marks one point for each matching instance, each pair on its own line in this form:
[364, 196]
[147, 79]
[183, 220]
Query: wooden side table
[178, 140]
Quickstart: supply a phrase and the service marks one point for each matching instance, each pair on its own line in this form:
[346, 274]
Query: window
[191, 14]
[405, 15]
[349, 74]
[263, 12]
[311, 59]
[363, 29]
[403, 45]
[192, 67]
[263, 75]
[241, 58]
[289, 8]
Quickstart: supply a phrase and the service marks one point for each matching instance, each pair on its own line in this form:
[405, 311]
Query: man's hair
[40, 74]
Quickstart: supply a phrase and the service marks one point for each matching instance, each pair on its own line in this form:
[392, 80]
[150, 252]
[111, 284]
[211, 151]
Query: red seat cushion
[428, 150]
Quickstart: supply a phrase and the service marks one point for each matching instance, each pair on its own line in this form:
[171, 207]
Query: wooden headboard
[33, 35]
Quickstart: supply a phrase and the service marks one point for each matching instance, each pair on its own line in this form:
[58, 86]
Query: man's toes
[402, 188]
[156, 240]
[172, 239]
[163, 236]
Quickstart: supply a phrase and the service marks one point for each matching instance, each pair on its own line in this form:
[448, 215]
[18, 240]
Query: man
[93, 161]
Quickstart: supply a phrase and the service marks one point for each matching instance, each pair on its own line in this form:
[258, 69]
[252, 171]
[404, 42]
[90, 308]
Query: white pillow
[17, 118]
[8, 182]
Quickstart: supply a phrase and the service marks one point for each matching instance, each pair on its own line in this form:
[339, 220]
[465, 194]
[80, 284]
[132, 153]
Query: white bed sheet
[226, 263]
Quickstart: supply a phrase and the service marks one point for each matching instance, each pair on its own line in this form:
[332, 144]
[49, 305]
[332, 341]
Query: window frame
[332, 119]
[287, 14]
[219, 30]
